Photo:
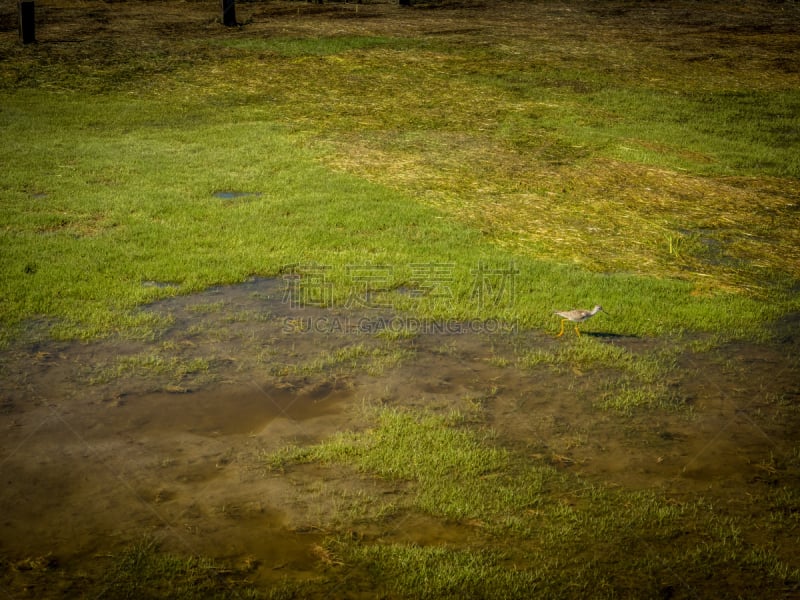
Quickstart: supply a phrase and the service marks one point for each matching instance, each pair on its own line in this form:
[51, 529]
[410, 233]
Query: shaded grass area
[293, 47]
[142, 570]
[538, 532]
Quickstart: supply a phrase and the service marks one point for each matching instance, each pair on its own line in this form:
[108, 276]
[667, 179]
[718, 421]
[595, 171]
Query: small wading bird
[576, 316]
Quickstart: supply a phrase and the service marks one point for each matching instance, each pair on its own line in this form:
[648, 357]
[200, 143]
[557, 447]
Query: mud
[105, 442]
[94, 455]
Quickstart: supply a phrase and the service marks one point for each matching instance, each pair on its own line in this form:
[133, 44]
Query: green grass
[709, 132]
[153, 365]
[373, 361]
[458, 476]
[535, 532]
[129, 200]
[729, 132]
[399, 150]
[440, 572]
[591, 155]
[632, 380]
[143, 570]
[83, 252]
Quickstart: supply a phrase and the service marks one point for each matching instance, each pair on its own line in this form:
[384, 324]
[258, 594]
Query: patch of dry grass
[722, 233]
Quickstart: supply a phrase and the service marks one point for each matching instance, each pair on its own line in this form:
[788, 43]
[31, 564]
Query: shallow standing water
[109, 441]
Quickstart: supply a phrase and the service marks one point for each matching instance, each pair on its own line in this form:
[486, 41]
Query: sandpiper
[576, 316]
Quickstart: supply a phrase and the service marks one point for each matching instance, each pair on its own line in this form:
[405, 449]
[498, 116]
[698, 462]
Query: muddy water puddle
[106, 442]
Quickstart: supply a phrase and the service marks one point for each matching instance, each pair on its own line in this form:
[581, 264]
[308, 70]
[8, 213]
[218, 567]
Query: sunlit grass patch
[511, 145]
[638, 380]
[587, 353]
[537, 532]
[439, 572]
[457, 475]
[156, 215]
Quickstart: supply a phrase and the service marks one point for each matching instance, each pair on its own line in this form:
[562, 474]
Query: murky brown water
[107, 441]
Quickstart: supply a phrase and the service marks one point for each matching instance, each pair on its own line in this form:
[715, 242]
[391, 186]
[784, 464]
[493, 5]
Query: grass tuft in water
[640, 379]
[144, 571]
[373, 361]
[155, 365]
[457, 474]
[535, 532]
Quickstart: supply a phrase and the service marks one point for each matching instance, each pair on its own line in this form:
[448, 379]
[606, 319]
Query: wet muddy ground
[102, 443]
[105, 442]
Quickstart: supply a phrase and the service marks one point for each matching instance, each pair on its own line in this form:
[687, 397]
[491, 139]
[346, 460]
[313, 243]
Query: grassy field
[504, 160]
[604, 168]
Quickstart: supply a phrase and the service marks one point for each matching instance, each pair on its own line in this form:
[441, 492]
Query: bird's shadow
[603, 335]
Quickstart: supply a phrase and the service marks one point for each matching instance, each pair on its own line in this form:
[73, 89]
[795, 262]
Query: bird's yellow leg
[560, 333]
[576, 331]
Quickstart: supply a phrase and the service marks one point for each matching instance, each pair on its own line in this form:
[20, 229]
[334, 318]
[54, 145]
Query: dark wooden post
[229, 13]
[27, 22]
